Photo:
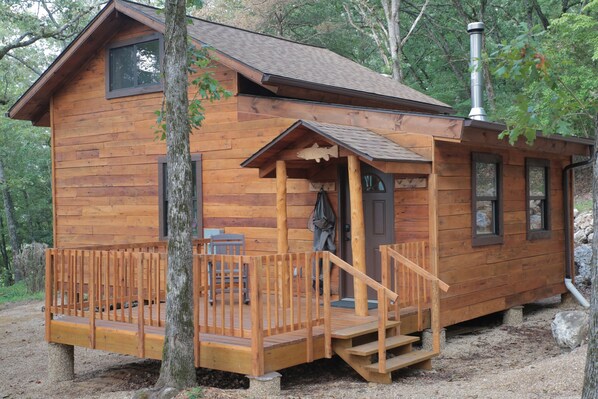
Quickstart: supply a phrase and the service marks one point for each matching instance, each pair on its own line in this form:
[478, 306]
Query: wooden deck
[217, 351]
[269, 312]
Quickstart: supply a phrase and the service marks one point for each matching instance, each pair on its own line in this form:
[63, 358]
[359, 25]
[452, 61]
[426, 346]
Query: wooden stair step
[362, 329]
[399, 362]
[390, 343]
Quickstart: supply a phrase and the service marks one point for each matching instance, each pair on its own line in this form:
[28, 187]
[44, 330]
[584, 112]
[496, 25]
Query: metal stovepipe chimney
[476, 30]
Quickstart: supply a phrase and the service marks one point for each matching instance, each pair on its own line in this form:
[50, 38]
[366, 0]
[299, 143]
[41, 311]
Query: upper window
[487, 199]
[133, 67]
[537, 178]
[196, 199]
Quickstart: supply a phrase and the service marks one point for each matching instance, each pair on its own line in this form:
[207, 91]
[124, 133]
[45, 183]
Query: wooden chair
[221, 278]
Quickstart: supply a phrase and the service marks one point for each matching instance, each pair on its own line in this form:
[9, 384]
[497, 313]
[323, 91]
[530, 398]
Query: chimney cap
[475, 27]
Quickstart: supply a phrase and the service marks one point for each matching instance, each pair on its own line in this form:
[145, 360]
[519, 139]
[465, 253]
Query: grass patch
[195, 393]
[583, 203]
[18, 293]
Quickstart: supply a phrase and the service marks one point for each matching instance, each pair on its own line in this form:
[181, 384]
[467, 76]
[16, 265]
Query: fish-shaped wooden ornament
[318, 153]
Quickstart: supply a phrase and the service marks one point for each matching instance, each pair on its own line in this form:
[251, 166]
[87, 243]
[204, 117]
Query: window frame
[546, 231]
[198, 195]
[136, 90]
[497, 237]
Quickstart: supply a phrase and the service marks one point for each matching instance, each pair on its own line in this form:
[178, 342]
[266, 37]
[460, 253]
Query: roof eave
[276, 80]
[501, 127]
[16, 111]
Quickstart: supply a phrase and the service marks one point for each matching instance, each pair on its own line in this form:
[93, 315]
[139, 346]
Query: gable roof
[267, 60]
[358, 140]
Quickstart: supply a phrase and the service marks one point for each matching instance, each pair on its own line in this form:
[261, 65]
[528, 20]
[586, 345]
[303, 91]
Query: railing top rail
[108, 247]
[417, 269]
[370, 282]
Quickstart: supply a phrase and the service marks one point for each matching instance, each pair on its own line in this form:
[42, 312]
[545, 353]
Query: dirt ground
[482, 360]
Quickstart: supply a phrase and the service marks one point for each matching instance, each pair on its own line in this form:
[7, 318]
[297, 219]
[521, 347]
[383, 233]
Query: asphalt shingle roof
[280, 57]
[364, 142]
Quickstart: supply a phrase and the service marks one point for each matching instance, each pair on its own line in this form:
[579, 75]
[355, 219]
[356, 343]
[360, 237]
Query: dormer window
[133, 67]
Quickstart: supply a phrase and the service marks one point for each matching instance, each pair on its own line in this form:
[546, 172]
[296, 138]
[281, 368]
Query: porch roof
[364, 143]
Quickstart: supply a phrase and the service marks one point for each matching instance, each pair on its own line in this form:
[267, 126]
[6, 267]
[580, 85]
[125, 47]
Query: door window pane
[372, 183]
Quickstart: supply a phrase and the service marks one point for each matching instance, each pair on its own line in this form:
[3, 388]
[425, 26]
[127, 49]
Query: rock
[580, 237]
[590, 237]
[575, 213]
[589, 230]
[570, 329]
[582, 256]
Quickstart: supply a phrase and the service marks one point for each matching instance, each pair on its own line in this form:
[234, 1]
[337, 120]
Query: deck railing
[288, 293]
[128, 285]
[406, 269]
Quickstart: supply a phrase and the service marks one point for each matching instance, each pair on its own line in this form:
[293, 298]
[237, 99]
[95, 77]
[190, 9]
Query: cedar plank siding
[106, 162]
[492, 278]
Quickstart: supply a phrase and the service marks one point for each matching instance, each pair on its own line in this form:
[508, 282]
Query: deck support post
[282, 228]
[513, 316]
[61, 362]
[265, 386]
[434, 341]
[357, 234]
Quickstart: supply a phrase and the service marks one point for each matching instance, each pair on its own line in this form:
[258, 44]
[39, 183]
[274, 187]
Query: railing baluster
[268, 298]
[196, 290]
[308, 304]
[140, 307]
[257, 328]
[382, 317]
[276, 292]
[92, 301]
[50, 294]
[327, 314]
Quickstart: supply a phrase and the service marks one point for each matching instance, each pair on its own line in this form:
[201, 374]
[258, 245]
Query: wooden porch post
[282, 227]
[357, 234]
[281, 207]
[433, 238]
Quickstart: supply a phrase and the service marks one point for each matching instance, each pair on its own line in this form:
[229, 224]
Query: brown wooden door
[378, 210]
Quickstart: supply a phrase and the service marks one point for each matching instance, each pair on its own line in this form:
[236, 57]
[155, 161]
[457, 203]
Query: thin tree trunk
[178, 368]
[11, 223]
[590, 383]
[5, 259]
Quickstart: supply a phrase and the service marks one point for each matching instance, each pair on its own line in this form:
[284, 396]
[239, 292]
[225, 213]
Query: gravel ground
[482, 360]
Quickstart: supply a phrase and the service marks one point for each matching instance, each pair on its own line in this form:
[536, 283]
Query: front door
[378, 211]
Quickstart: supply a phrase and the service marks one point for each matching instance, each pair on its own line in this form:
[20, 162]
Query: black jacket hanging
[324, 222]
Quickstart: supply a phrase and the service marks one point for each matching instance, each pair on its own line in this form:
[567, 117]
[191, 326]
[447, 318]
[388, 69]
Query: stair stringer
[358, 363]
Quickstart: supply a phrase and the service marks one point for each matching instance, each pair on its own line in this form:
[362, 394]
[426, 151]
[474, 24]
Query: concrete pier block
[265, 386]
[428, 339]
[513, 316]
[61, 362]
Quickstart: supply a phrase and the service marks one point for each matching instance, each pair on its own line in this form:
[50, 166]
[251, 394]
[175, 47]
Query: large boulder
[580, 237]
[583, 262]
[570, 329]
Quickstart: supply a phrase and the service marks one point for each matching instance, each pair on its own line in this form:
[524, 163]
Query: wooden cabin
[424, 201]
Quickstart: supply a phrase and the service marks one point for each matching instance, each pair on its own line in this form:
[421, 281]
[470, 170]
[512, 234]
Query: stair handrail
[382, 293]
[370, 282]
[418, 269]
[437, 285]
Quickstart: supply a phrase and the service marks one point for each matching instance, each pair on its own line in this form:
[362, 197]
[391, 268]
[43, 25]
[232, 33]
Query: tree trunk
[590, 383]
[11, 223]
[178, 368]
[391, 11]
[8, 278]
